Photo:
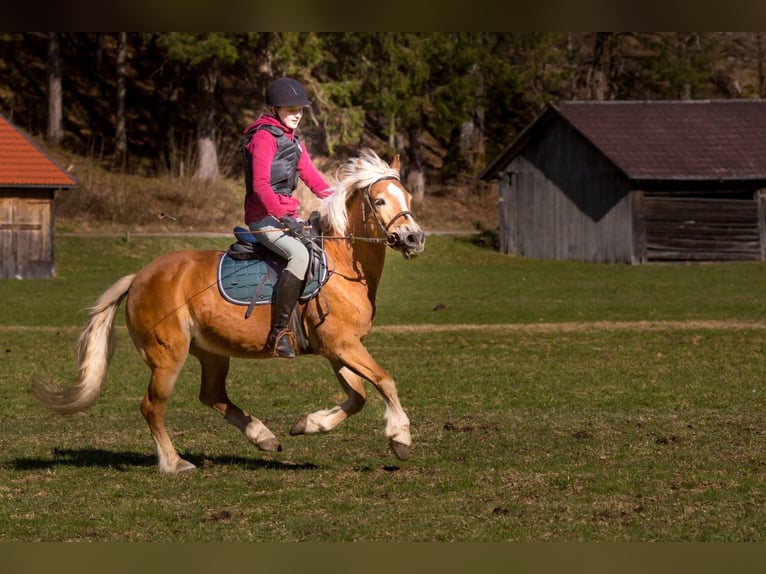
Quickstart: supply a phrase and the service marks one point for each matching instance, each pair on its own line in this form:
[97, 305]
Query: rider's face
[290, 116]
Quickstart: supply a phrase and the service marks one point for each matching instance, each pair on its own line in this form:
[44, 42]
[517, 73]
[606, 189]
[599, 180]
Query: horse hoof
[270, 445]
[185, 466]
[299, 427]
[401, 450]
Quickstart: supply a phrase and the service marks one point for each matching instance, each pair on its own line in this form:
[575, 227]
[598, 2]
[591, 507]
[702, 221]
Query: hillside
[109, 202]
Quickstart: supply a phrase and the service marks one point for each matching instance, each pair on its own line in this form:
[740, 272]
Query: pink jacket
[264, 201]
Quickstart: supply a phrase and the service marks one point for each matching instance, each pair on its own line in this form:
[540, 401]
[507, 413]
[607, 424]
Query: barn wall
[26, 234]
[711, 225]
[561, 199]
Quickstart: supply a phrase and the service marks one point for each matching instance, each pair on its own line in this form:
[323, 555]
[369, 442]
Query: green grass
[487, 287]
[593, 434]
[472, 285]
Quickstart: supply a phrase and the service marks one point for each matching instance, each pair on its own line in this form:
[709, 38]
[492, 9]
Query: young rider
[279, 158]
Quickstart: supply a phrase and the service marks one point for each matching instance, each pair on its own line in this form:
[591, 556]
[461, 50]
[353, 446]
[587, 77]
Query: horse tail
[95, 348]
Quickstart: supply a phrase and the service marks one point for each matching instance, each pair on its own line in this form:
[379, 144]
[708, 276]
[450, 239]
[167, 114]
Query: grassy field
[549, 402]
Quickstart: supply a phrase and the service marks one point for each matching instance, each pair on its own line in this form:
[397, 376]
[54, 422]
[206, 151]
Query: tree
[447, 101]
[683, 64]
[459, 99]
[600, 68]
[120, 136]
[760, 64]
[203, 55]
[394, 92]
[55, 131]
[516, 75]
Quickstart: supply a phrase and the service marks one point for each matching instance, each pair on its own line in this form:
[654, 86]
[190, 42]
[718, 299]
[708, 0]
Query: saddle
[248, 272]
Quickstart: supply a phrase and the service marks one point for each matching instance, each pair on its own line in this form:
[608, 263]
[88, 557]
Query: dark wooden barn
[29, 180]
[636, 182]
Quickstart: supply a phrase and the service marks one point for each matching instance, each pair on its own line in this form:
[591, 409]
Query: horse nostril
[413, 239]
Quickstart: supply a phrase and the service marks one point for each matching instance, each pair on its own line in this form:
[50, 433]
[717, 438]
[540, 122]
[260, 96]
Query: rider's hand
[295, 226]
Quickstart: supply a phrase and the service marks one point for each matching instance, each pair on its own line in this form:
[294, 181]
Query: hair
[356, 173]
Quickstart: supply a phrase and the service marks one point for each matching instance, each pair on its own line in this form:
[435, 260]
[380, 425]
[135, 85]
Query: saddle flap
[243, 279]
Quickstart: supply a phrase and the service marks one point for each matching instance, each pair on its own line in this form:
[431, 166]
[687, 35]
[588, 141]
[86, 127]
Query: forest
[177, 103]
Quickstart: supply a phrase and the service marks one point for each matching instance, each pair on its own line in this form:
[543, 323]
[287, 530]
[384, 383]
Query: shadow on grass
[88, 457]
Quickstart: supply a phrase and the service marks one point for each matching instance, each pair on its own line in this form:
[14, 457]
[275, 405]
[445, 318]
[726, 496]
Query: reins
[390, 239]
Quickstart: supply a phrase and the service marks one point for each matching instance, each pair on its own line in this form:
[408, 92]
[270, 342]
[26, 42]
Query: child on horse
[275, 158]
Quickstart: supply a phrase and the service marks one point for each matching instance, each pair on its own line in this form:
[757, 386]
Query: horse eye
[379, 202]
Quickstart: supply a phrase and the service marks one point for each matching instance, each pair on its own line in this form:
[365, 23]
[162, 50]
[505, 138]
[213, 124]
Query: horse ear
[395, 162]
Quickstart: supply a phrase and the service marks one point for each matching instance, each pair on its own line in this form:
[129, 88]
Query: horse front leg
[357, 360]
[327, 419]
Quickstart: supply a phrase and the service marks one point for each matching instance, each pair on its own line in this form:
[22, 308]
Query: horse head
[382, 205]
[389, 204]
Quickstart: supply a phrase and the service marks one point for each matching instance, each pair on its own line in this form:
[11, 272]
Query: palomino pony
[174, 308]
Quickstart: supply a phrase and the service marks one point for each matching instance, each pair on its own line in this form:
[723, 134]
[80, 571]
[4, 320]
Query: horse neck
[358, 258]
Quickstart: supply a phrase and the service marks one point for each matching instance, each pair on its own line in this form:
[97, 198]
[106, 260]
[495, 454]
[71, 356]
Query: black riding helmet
[286, 92]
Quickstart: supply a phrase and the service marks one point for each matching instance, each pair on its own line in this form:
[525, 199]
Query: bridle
[392, 239]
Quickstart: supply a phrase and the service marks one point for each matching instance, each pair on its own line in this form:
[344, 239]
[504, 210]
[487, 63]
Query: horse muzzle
[410, 241]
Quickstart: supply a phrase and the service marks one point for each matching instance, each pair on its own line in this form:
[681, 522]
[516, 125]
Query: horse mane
[356, 173]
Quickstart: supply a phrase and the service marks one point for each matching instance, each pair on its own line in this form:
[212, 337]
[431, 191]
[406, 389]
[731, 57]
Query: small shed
[636, 182]
[29, 180]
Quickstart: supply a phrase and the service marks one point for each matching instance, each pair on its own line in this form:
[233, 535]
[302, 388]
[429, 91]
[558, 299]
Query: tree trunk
[416, 179]
[759, 50]
[598, 77]
[55, 115]
[478, 157]
[170, 153]
[207, 153]
[120, 137]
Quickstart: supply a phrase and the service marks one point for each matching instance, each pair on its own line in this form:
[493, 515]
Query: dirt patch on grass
[580, 326]
[565, 327]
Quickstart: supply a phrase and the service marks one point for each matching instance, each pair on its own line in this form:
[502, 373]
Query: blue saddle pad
[240, 280]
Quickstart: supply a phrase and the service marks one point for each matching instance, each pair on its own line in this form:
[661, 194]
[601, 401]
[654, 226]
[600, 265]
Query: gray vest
[284, 168]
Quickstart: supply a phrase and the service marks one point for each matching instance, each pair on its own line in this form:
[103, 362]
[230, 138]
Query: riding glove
[294, 226]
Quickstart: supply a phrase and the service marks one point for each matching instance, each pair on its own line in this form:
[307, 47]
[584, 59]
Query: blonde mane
[355, 173]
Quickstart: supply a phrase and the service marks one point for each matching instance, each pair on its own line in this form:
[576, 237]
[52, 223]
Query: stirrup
[282, 347]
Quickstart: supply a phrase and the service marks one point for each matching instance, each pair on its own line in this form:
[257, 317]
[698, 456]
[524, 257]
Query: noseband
[392, 239]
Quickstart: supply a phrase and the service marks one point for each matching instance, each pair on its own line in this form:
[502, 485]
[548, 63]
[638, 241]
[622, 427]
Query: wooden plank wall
[7, 238]
[561, 199]
[701, 228]
[26, 235]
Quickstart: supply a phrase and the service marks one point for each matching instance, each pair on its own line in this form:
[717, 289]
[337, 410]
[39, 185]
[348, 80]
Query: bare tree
[55, 132]
[598, 76]
[120, 136]
[759, 54]
[207, 152]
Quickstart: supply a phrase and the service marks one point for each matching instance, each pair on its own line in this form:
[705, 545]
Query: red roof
[23, 164]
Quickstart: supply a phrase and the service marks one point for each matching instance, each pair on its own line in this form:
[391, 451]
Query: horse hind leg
[327, 419]
[213, 393]
[153, 408]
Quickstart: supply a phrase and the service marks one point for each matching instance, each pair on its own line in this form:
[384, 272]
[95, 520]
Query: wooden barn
[29, 180]
[636, 182]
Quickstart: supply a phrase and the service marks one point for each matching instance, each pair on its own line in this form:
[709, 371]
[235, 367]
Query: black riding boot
[289, 289]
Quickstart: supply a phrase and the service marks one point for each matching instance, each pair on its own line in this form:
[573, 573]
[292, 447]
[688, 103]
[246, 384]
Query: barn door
[26, 237]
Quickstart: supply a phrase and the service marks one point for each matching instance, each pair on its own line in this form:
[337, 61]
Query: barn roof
[663, 140]
[23, 164]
